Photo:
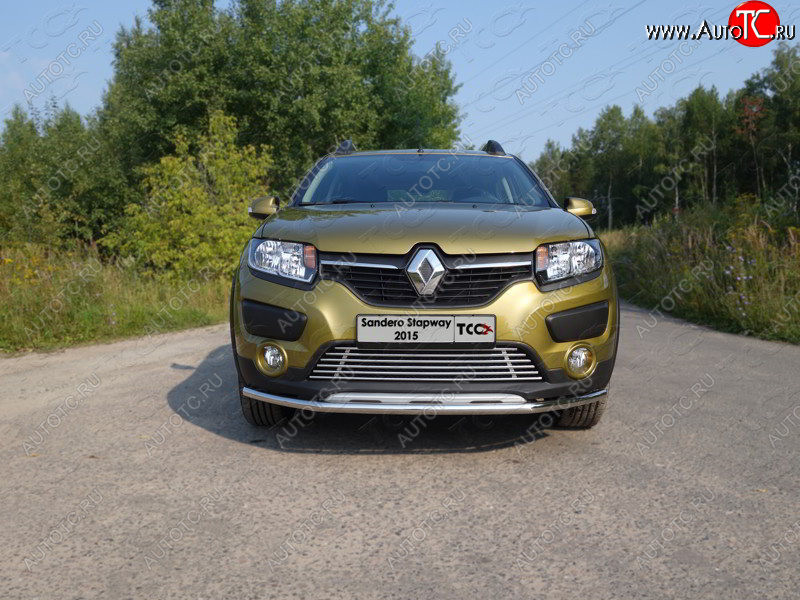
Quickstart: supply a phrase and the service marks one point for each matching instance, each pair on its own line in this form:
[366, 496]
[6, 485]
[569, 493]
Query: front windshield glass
[422, 177]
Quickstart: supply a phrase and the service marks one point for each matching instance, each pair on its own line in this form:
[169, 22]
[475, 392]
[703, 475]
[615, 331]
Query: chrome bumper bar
[429, 404]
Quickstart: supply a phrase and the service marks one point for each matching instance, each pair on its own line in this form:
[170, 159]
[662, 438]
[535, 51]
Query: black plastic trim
[565, 283]
[579, 323]
[292, 283]
[274, 322]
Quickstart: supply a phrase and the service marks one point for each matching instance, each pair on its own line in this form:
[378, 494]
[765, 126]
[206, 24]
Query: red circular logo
[753, 23]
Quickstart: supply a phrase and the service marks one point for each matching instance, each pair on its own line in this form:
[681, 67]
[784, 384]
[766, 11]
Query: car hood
[396, 229]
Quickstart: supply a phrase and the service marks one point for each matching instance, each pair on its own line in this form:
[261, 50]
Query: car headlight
[283, 259]
[567, 259]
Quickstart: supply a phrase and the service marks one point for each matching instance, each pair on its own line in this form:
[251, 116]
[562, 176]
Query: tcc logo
[474, 328]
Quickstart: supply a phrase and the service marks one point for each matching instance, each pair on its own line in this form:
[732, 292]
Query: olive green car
[424, 281]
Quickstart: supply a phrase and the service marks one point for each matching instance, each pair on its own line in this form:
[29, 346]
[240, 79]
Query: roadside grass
[52, 300]
[733, 271]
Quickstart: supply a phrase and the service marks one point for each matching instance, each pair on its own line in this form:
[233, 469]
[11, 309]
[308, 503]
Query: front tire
[263, 414]
[582, 417]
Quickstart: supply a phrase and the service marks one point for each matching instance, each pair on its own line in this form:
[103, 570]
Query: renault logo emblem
[425, 272]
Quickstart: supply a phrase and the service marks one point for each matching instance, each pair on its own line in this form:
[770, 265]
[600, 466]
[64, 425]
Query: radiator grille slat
[348, 362]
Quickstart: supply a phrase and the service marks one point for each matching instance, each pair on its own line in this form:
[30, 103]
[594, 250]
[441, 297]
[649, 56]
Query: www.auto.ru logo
[752, 23]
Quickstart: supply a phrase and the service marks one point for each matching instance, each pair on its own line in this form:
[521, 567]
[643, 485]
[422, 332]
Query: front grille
[390, 286]
[350, 363]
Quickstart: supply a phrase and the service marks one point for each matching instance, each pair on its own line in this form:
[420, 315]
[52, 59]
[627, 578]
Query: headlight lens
[284, 259]
[568, 259]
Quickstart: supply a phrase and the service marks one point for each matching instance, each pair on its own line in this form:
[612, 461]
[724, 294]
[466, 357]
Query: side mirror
[263, 207]
[579, 207]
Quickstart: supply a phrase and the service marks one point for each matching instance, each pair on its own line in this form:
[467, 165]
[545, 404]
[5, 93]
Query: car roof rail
[345, 147]
[493, 147]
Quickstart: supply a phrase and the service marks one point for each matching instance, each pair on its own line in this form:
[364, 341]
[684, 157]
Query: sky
[513, 89]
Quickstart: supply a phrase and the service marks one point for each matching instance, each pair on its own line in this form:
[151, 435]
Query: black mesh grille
[386, 286]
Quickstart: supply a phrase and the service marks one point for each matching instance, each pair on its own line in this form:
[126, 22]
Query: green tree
[703, 119]
[194, 211]
[553, 167]
[607, 145]
[778, 86]
[56, 173]
[641, 152]
[21, 171]
[298, 75]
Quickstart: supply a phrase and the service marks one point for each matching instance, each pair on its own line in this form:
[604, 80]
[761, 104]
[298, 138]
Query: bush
[195, 207]
[737, 270]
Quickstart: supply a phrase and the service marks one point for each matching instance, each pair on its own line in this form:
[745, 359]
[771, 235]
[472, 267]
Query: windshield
[421, 177]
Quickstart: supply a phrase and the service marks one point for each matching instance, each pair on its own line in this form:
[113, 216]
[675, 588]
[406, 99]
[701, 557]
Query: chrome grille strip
[445, 379]
[491, 364]
[424, 361]
[356, 353]
[364, 265]
[495, 265]
[477, 368]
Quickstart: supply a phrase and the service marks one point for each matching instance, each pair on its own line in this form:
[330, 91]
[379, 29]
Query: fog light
[271, 359]
[580, 362]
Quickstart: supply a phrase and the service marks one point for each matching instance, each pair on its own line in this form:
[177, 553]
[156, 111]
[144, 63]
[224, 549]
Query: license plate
[428, 329]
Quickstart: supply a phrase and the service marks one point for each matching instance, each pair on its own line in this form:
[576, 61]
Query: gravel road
[128, 472]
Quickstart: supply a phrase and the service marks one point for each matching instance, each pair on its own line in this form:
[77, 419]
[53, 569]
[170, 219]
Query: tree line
[288, 79]
[291, 77]
[704, 150]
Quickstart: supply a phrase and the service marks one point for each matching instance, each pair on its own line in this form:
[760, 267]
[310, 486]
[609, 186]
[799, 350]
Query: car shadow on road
[208, 398]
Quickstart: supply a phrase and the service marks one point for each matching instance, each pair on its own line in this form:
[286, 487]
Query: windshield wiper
[337, 201]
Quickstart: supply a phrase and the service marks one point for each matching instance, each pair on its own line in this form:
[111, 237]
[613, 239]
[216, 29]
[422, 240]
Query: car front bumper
[329, 313]
[427, 404]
